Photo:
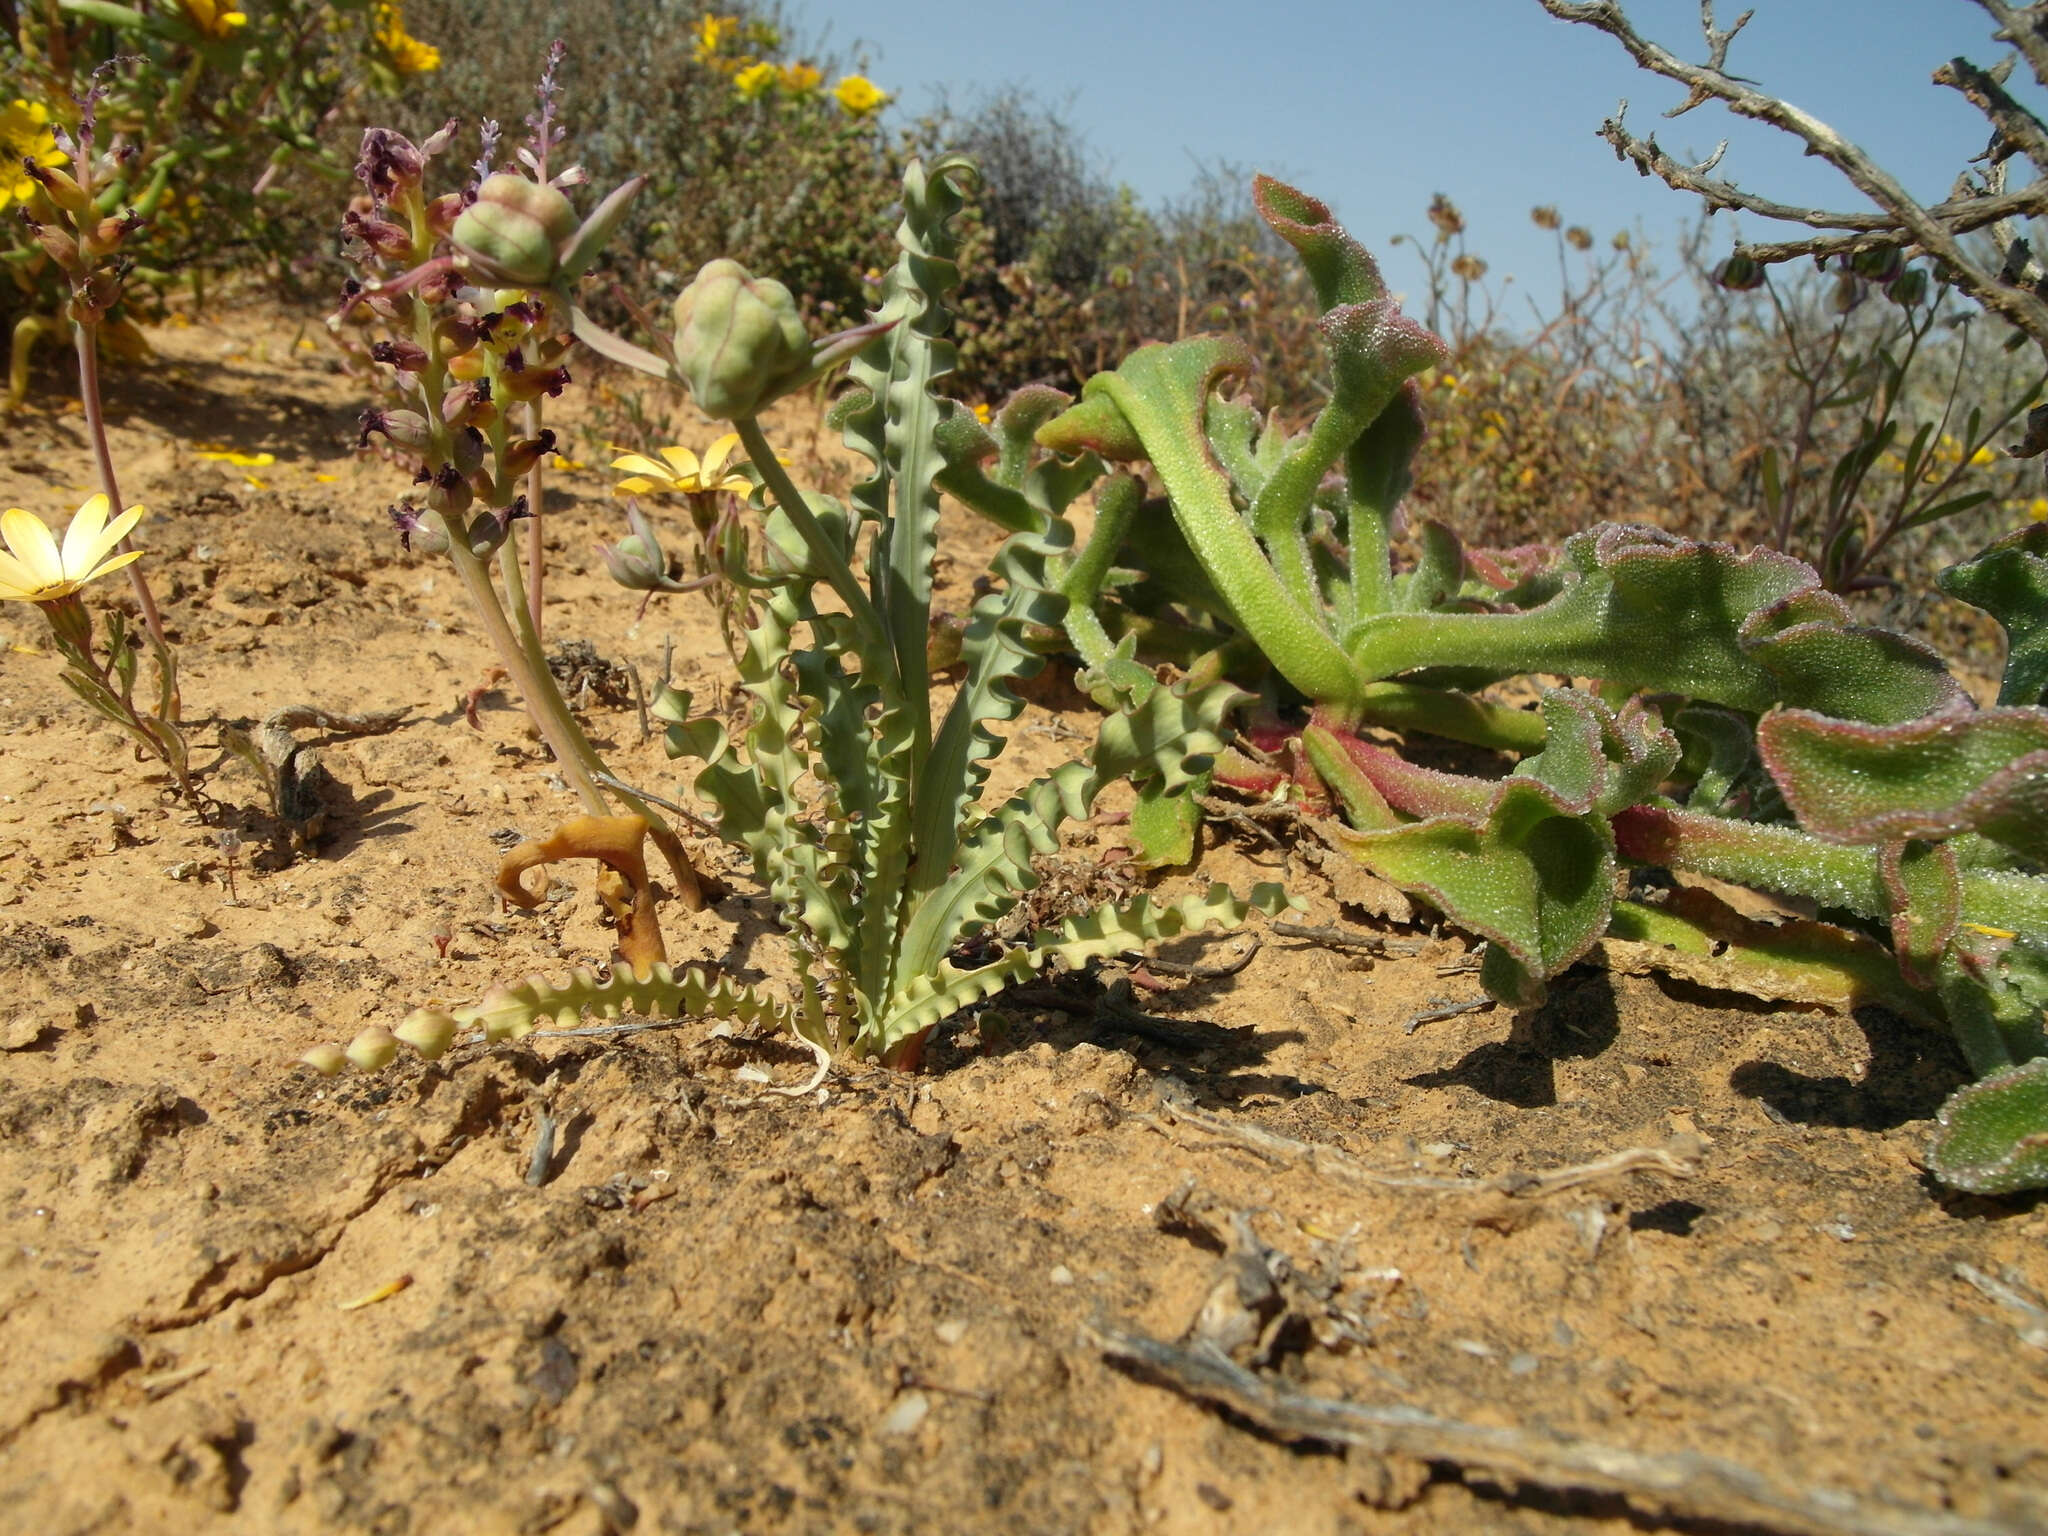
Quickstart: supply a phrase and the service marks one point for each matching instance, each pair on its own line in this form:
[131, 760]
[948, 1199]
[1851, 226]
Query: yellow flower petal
[32, 546]
[637, 486]
[683, 465]
[716, 455]
[640, 464]
[82, 544]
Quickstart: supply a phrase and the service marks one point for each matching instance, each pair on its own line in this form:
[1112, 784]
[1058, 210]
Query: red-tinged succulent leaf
[1852, 670]
[1982, 771]
[1529, 876]
[1094, 425]
[1342, 270]
[1993, 1135]
[1412, 789]
[1780, 859]
[2009, 581]
[1926, 893]
[1327, 754]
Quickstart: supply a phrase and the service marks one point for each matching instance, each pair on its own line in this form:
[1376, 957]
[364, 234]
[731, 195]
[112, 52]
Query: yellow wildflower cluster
[406, 54]
[1945, 454]
[25, 135]
[722, 45]
[2037, 509]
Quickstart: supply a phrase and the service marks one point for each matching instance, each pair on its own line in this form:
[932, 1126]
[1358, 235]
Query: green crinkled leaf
[2009, 581]
[1532, 877]
[1994, 988]
[1968, 771]
[1645, 609]
[1993, 1135]
[508, 1013]
[1164, 826]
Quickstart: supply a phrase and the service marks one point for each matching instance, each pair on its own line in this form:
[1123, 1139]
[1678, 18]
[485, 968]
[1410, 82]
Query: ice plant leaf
[1993, 1135]
[1977, 771]
[2009, 581]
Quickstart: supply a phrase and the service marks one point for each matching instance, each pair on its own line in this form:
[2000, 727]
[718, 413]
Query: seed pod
[428, 1032]
[420, 530]
[450, 494]
[515, 230]
[738, 337]
[469, 451]
[326, 1058]
[373, 1049]
[1740, 273]
[403, 429]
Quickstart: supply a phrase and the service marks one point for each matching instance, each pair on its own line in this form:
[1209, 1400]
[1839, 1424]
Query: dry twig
[1679, 1158]
[1685, 1484]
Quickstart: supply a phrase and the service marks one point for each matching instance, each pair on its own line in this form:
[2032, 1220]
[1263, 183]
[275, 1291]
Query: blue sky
[1373, 105]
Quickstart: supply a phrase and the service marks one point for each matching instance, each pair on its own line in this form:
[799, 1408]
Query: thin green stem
[543, 699]
[86, 334]
[536, 551]
[836, 570]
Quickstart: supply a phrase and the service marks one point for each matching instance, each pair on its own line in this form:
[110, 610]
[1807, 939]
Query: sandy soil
[714, 1309]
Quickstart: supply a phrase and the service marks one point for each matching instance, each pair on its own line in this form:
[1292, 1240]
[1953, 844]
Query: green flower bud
[1909, 288]
[515, 230]
[739, 340]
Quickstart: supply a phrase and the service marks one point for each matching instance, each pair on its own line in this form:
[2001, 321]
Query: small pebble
[1061, 1275]
[952, 1331]
[906, 1413]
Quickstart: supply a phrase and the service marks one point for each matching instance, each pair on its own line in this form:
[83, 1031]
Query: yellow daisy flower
[859, 95]
[35, 570]
[682, 472]
[25, 134]
[756, 81]
[799, 80]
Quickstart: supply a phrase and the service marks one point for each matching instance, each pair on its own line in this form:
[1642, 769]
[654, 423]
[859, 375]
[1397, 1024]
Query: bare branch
[2026, 28]
[2016, 129]
[1919, 226]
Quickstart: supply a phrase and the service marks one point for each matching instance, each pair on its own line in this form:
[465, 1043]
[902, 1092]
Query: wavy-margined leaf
[1994, 988]
[897, 432]
[1993, 1135]
[1975, 771]
[2009, 581]
[1108, 930]
[1163, 741]
[1646, 609]
[1003, 644]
